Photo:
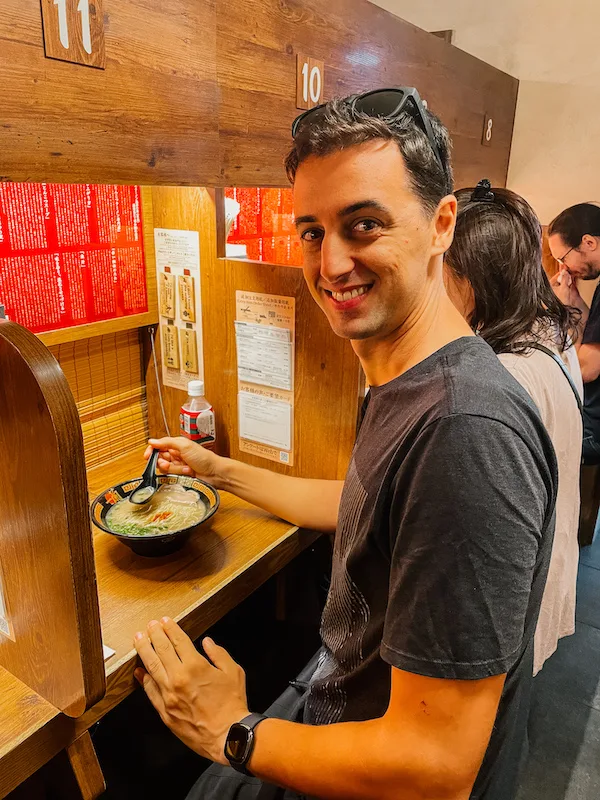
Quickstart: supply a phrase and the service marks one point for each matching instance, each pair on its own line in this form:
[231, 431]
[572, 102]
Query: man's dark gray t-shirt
[442, 548]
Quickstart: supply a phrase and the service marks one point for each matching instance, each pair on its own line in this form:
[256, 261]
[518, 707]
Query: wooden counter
[229, 557]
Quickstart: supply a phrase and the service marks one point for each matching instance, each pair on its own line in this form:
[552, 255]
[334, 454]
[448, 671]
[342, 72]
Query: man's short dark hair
[341, 128]
[575, 222]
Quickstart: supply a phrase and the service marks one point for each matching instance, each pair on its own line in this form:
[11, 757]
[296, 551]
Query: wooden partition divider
[329, 385]
[52, 641]
[203, 92]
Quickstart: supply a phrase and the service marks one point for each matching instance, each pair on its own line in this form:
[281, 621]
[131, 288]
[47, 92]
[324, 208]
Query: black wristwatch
[240, 742]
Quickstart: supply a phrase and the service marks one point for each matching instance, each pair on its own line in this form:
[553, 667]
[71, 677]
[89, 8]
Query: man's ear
[445, 221]
[589, 242]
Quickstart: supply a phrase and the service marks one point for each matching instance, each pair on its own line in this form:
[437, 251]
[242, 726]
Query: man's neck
[424, 332]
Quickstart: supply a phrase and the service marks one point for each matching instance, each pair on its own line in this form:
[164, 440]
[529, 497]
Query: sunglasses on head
[388, 104]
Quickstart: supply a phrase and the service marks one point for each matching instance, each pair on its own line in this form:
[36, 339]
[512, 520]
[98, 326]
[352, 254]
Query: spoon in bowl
[148, 486]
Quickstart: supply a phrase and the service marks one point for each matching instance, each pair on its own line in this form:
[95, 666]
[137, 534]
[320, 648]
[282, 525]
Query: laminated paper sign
[187, 298]
[178, 277]
[265, 328]
[189, 350]
[166, 289]
[70, 254]
[170, 343]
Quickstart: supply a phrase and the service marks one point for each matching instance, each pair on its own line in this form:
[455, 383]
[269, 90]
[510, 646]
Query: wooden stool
[590, 502]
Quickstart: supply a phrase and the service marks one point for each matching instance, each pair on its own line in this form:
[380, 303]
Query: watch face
[239, 740]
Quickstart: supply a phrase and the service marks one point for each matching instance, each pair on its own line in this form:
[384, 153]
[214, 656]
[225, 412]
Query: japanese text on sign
[70, 254]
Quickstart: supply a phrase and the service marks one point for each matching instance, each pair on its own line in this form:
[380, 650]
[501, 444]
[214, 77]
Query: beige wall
[552, 47]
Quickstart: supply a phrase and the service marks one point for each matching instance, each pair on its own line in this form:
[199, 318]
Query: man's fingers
[151, 689]
[149, 658]
[182, 643]
[166, 443]
[177, 444]
[163, 648]
[219, 656]
[173, 468]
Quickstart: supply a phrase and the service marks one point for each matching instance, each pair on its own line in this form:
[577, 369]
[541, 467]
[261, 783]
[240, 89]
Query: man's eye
[311, 235]
[366, 226]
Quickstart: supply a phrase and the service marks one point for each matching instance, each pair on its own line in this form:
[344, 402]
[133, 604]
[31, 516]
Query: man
[574, 239]
[443, 525]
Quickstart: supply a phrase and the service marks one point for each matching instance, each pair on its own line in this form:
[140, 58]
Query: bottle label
[199, 426]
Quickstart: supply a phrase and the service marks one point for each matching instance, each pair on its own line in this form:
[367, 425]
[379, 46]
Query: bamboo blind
[106, 376]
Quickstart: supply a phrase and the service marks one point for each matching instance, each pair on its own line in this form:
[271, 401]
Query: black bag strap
[561, 364]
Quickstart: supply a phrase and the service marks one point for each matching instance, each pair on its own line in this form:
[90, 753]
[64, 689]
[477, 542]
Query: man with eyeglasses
[443, 526]
[574, 239]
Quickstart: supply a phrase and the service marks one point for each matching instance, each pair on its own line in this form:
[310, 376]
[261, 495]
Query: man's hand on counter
[198, 698]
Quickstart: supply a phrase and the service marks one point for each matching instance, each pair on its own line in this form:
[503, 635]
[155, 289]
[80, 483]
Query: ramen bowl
[155, 544]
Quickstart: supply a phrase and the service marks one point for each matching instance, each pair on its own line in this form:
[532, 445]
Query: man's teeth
[342, 296]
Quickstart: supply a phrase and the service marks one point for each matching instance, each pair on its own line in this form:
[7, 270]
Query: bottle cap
[196, 388]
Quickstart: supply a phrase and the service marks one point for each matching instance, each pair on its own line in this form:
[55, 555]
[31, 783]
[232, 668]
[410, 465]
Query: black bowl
[161, 544]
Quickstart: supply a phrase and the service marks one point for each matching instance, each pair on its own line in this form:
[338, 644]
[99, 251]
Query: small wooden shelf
[79, 332]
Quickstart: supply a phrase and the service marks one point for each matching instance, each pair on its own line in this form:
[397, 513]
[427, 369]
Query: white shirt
[549, 389]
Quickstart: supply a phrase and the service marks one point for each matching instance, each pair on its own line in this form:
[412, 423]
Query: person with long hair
[494, 276]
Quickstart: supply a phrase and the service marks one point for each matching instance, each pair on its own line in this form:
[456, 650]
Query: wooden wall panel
[202, 92]
[363, 47]
[550, 264]
[150, 117]
[328, 379]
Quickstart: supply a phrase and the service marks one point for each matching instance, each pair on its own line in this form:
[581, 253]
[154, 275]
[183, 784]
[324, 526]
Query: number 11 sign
[74, 31]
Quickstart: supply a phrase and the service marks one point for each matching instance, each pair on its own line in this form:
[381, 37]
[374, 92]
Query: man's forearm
[304, 502]
[354, 761]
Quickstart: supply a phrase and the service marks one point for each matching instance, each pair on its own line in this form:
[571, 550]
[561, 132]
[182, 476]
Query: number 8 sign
[488, 131]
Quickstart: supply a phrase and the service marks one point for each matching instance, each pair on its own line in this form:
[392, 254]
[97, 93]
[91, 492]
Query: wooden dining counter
[221, 564]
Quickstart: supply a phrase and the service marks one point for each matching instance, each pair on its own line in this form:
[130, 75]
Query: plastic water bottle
[197, 418]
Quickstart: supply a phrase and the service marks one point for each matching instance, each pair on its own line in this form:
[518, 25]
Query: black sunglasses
[388, 104]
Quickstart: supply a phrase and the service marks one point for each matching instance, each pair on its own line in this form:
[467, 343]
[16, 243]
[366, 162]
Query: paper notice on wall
[178, 265]
[264, 355]
[265, 420]
[265, 328]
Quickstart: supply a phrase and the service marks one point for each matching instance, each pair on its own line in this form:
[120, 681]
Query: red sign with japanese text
[265, 225]
[70, 254]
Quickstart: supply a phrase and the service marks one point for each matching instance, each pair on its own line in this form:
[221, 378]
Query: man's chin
[355, 333]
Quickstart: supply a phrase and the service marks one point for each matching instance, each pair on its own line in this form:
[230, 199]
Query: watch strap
[250, 722]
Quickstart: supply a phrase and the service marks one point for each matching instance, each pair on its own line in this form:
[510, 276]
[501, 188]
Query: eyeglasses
[561, 261]
[388, 104]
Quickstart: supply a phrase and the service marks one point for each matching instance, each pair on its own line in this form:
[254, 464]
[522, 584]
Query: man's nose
[336, 258]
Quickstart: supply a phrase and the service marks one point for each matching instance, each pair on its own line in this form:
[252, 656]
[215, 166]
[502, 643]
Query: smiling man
[574, 239]
[443, 525]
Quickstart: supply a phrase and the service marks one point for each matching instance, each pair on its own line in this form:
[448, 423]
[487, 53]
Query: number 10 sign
[309, 82]
[74, 31]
